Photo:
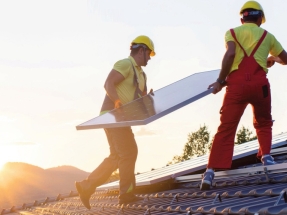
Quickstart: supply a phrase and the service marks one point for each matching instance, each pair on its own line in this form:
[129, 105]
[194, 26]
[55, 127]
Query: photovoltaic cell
[151, 107]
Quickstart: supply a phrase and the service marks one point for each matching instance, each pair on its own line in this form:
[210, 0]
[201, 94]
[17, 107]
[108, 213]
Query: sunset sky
[55, 56]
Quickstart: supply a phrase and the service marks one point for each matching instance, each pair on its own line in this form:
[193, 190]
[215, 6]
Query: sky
[55, 56]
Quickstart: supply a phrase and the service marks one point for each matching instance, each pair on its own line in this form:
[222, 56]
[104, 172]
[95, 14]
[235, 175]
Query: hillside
[24, 183]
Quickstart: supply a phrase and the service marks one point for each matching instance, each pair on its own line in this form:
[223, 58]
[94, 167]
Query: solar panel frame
[162, 106]
[257, 170]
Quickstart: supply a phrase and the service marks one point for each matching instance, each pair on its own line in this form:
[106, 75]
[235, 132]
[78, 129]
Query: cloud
[144, 132]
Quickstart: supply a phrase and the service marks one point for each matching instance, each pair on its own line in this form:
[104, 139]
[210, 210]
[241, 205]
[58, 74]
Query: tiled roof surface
[237, 195]
[196, 164]
[246, 190]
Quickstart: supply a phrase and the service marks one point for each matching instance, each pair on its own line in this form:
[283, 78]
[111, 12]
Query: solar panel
[151, 107]
[195, 164]
[243, 172]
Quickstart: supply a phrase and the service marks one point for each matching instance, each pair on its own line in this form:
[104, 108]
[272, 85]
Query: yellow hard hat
[253, 5]
[145, 40]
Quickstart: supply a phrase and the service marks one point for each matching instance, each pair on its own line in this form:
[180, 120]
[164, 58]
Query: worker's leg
[127, 151]
[223, 144]
[123, 154]
[262, 119]
[101, 174]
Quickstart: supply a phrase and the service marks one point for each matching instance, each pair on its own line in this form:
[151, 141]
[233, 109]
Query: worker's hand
[151, 92]
[271, 61]
[118, 103]
[216, 87]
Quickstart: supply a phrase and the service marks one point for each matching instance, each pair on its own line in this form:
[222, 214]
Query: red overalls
[247, 85]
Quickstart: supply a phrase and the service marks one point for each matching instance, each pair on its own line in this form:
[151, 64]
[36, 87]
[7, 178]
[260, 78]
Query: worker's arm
[113, 79]
[282, 59]
[225, 67]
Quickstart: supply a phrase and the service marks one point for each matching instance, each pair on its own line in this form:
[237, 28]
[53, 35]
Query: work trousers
[123, 155]
[240, 92]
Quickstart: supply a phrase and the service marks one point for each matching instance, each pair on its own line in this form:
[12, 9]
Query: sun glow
[4, 157]
[2, 163]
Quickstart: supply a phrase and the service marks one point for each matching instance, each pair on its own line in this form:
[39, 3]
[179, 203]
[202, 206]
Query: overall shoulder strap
[259, 42]
[136, 83]
[136, 79]
[145, 87]
[234, 36]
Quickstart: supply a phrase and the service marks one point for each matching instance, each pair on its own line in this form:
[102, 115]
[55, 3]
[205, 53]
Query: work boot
[206, 182]
[85, 192]
[127, 199]
[267, 160]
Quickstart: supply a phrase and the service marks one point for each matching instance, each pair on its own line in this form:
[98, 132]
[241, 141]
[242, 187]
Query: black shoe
[85, 195]
[128, 200]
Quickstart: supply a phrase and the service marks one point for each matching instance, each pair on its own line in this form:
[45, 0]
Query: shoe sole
[205, 186]
[79, 189]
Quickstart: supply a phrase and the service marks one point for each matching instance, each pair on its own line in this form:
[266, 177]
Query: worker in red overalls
[243, 72]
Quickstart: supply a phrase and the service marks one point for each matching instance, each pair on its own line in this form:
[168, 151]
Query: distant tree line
[198, 143]
[114, 177]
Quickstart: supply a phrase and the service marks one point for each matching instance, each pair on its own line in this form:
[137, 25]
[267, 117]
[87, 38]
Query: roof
[246, 189]
[198, 164]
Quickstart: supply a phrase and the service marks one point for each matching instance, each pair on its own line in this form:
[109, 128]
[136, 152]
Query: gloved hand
[118, 103]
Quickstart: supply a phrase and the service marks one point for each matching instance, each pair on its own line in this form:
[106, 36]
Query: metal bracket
[101, 209]
[175, 197]
[146, 198]
[254, 173]
[282, 194]
[147, 212]
[217, 197]
[266, 174]
[121, 210]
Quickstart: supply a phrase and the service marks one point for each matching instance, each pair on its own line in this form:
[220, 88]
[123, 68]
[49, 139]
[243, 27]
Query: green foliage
[244, 135]
[114, 177]
[197, 145]
[176, 159]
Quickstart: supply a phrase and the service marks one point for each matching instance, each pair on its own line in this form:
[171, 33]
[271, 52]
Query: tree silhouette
[114, 177]
[244, 135]
[198, 143]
